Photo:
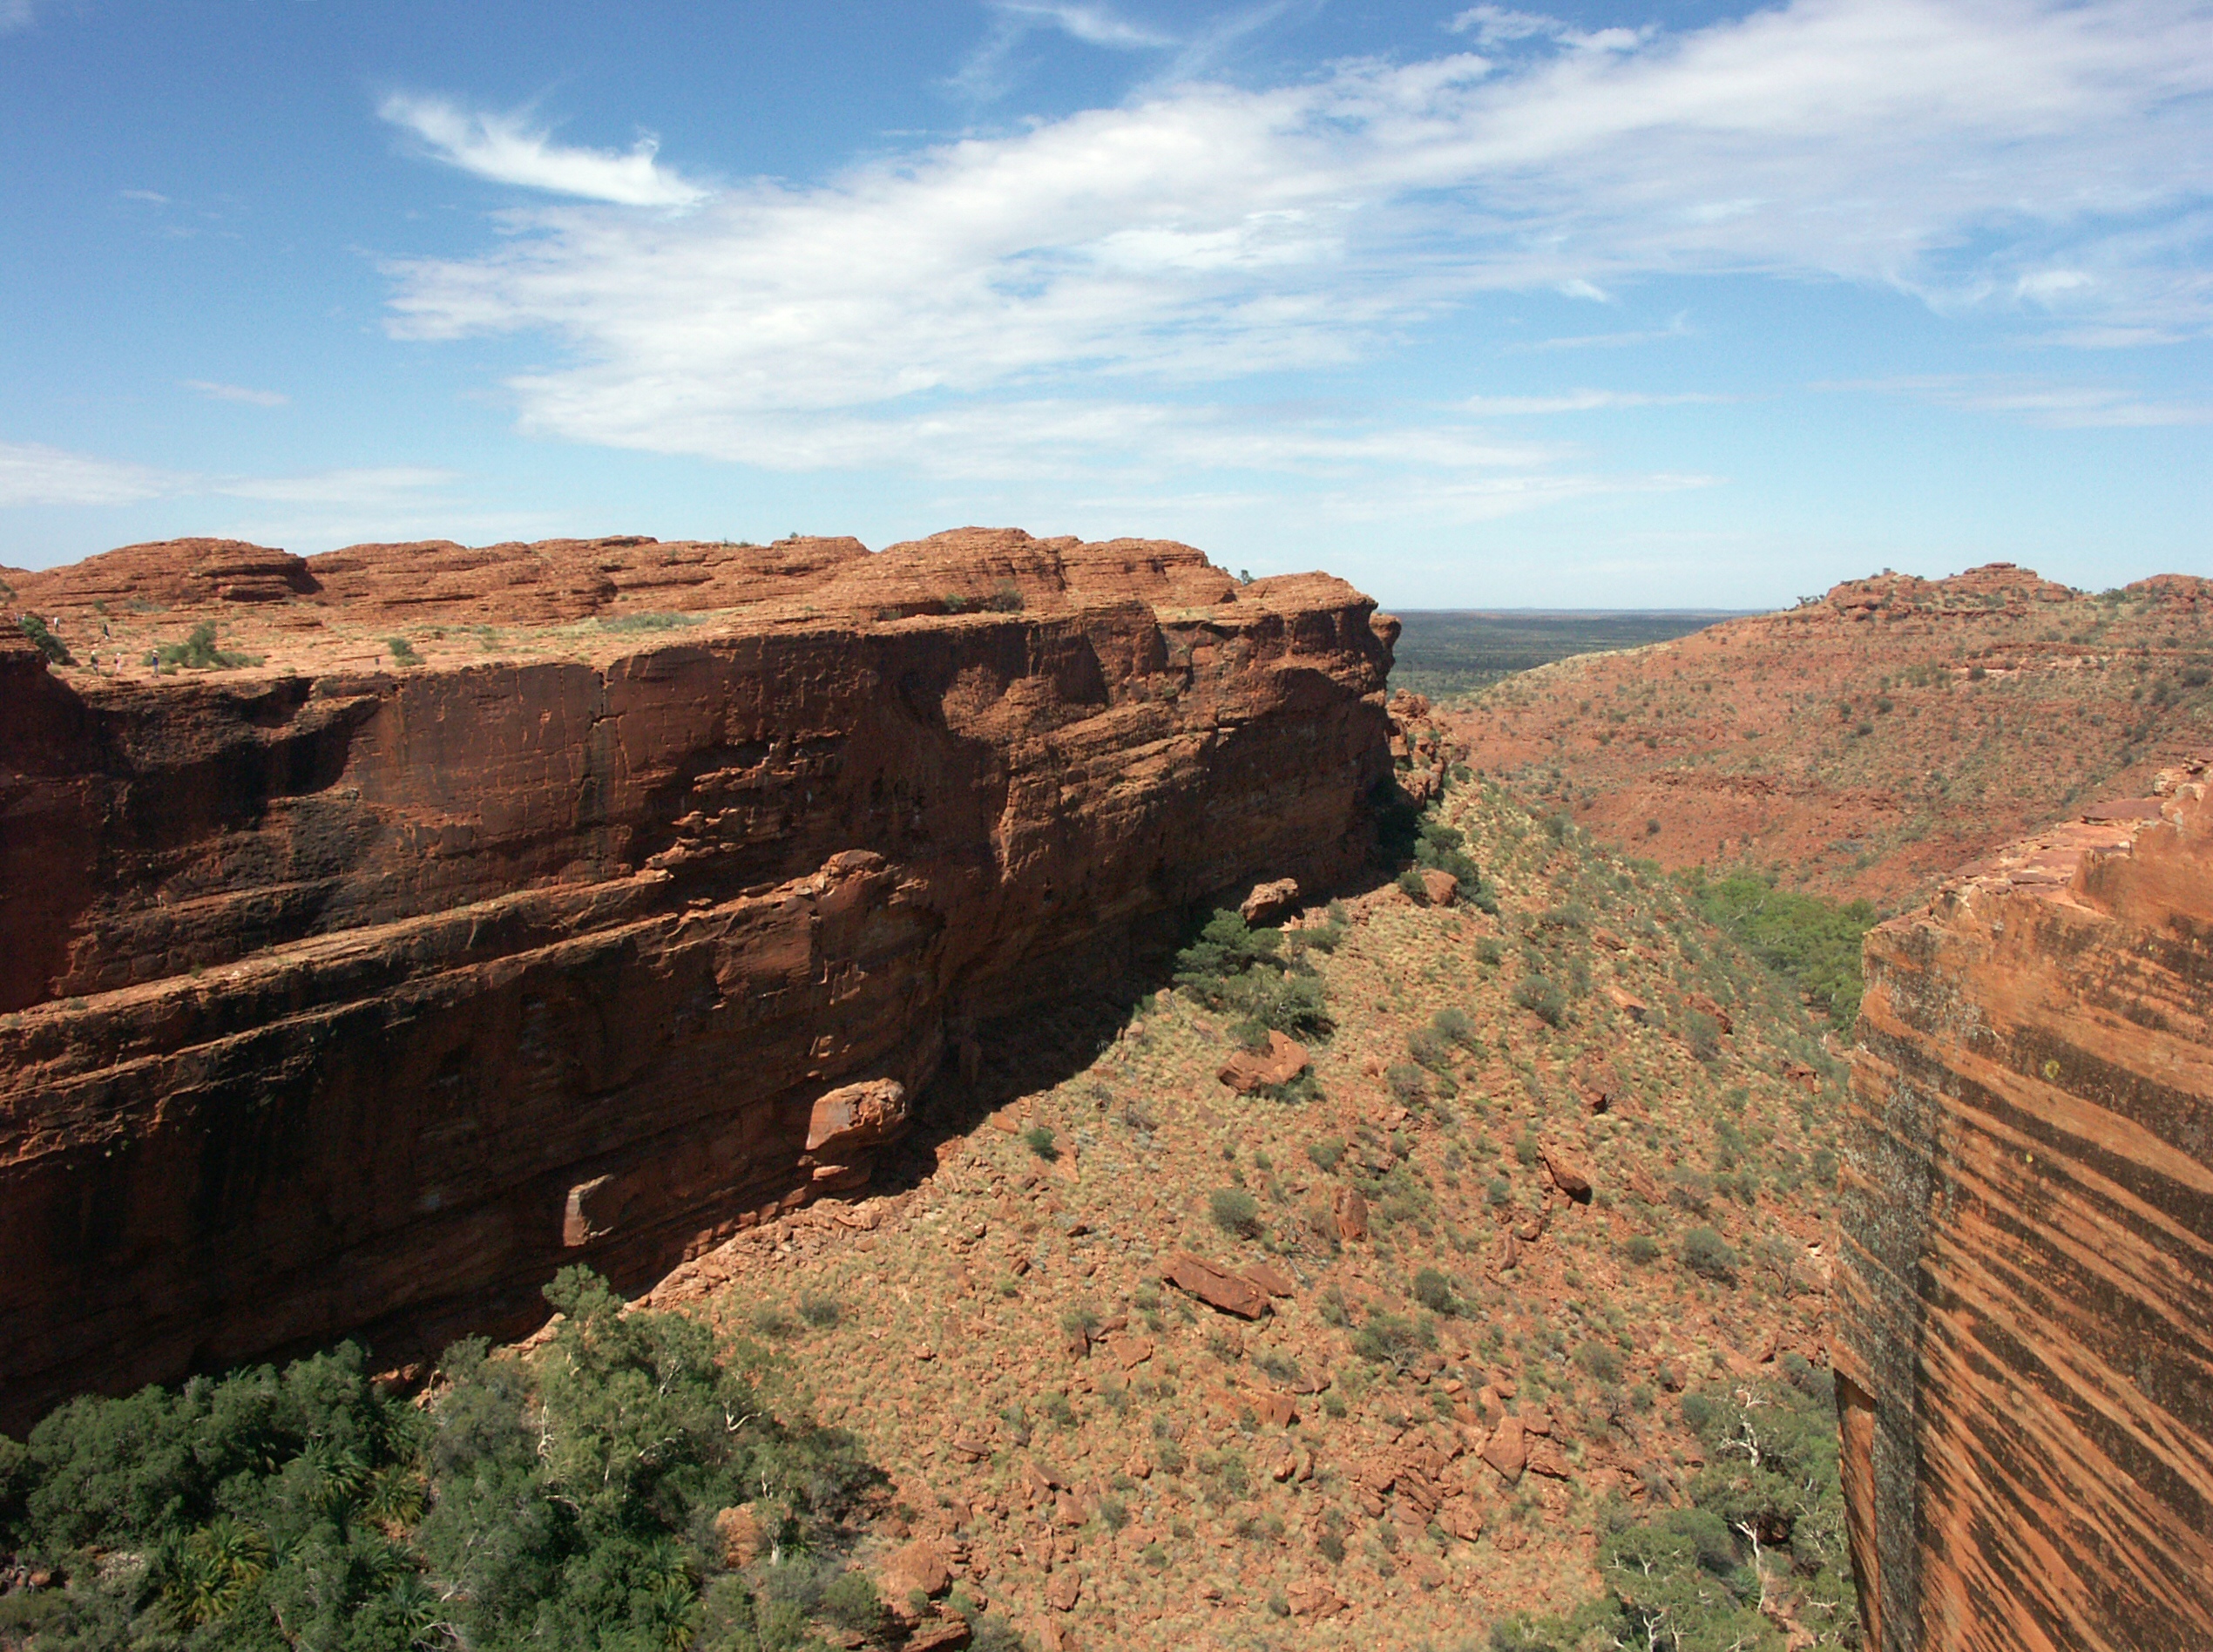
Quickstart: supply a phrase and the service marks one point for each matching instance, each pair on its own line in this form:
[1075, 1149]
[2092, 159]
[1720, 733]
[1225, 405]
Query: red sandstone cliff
[2027, 1319]
[345, 996]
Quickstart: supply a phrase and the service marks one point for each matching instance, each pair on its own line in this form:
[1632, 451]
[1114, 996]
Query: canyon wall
[2026, 1352]
[347, 995]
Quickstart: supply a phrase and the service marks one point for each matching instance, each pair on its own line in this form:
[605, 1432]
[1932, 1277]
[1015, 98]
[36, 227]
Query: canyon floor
[1111, 1462]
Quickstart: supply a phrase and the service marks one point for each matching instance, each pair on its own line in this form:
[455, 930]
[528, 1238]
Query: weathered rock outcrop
[352, 999]
[2026, 1357]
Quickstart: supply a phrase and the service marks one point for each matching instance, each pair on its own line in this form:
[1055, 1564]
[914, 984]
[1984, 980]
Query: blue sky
[1670, 306]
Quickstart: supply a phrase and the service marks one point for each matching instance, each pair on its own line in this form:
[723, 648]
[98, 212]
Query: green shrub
[1601, 1360]
[851, 1601]
[1703, 1033]
[1233, 967]
[559, 1498]
[1039, 1139]
[1235, 1211]
[1393, 1340]
[1405, 1083]
[1326, 1153]
[1430, 1048]
[198, 652]
[1537, 994]
[1813, 943]
[1641, 1249]
[820, 1311]
[1434, 1291]
[44, 640]
[1705, 1253]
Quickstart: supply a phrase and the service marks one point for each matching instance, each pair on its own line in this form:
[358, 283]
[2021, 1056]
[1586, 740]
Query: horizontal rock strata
[345, 998]
[2026, 1367]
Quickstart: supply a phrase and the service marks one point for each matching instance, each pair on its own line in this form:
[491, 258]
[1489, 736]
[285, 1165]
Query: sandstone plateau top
[592, 598]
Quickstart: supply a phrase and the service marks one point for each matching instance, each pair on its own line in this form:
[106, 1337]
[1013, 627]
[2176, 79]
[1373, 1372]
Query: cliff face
[2027, 1308]
[358, 999]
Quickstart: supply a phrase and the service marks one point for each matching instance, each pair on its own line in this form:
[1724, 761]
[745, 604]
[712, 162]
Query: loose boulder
[1567, 1175]
[1352, 1212]
[1269, 902]
[1507, 1450]
[1251, 1070]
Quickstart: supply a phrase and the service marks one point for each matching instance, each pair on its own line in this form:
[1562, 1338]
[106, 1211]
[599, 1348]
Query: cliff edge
[2026, 1354]
[352, 984]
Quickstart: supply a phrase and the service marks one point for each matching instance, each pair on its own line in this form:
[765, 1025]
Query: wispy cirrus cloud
[988, 71]
[215, 391]
[2039, 402]
[1207, 234]
[1584, 401]
[16, 14]
[34, 474]
[507, 148]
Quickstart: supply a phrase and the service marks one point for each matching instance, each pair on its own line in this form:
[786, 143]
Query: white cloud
[217, 392]
[1583, 402]
[335, 487]
[2052, 405]
[14, 15]
[986, 75]
[33, 474]
[1979, 155]
[506, 149]
[1094, 25]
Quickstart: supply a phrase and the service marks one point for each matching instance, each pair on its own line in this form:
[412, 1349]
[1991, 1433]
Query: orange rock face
[2026, 1354]
[340, 995]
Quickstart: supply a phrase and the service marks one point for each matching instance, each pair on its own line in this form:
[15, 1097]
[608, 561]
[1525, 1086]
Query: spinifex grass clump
[564, 1499]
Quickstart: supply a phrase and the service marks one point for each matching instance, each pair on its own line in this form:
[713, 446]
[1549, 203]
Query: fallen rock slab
[1230, 1293]
[1567, 1173]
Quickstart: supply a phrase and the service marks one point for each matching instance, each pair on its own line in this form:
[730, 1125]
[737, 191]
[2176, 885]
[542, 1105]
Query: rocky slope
[2024, 1310]
[382, 928]
[1870, 743]
[1155, 1364]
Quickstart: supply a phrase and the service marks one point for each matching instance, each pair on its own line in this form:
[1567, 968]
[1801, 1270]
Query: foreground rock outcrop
[2026, 1361]
[641, 901]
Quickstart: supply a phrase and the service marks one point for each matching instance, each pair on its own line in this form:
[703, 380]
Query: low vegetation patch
[198, 652]
[1813, 943]
[1763, 1528]
[567, 1498]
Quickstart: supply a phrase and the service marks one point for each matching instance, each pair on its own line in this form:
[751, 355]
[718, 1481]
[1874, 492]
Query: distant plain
[1445, 651]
